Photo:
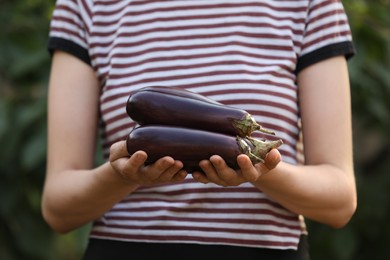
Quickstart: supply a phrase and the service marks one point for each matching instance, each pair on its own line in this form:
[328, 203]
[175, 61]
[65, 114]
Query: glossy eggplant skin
[180, 92]
[177, 108]
[193, 145]
[189, 146]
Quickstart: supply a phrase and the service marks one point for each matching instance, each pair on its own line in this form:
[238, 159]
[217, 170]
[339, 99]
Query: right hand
[133, 169]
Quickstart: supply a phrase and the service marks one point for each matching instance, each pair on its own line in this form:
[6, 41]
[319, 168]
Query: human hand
[133, 169]
[215, 170]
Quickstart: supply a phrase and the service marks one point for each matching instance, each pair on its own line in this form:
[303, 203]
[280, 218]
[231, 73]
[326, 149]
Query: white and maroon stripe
[328, 23]
[242, 53]
[238, 216]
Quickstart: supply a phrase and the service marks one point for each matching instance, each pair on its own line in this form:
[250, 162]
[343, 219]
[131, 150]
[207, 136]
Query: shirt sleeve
[327, 33]
[68, 29]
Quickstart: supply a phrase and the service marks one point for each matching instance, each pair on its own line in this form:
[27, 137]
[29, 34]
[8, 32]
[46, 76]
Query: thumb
[272, 159]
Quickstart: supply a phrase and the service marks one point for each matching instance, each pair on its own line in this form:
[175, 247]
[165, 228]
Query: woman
[282, 61]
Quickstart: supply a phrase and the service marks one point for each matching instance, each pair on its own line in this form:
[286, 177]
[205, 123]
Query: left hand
[215, 170]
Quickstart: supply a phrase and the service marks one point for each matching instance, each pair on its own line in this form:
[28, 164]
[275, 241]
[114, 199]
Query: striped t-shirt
[242, 53]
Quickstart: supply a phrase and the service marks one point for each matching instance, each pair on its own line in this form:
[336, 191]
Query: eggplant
[178, 107]
[180, 92]
[190, 146]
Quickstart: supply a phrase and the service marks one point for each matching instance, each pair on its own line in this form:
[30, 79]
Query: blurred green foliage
[24, 64]
[367, 236]
[24, 69]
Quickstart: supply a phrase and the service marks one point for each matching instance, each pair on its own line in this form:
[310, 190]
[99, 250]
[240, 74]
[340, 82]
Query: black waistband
[108, 249]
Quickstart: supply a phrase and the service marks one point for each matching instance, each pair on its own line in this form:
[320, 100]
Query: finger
[208, 170]
[179, 176]
[134, 163]
[200, 177]
[209, 174]
[173, 172]
[137, 159]
[272, 159]
[118, 150]
[248, 171]
[224, 172]
[218, 171]
[154, 171]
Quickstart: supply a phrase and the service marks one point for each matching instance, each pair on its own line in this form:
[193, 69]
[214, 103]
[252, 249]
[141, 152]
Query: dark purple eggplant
[159, 106]
[192, 145]
[180, 92]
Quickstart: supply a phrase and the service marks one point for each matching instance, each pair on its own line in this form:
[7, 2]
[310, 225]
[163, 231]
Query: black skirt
[100, 249]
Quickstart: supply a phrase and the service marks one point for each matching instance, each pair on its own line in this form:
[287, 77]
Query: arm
[324, 188]
[75, 193]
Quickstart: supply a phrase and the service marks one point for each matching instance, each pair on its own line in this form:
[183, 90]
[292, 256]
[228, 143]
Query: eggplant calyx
[247, 125]
[257, 149]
